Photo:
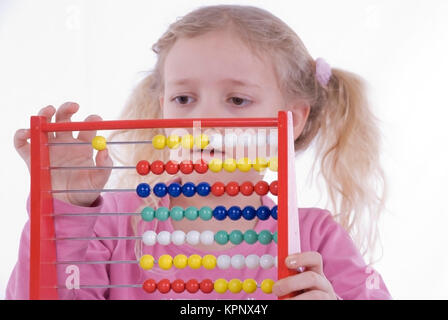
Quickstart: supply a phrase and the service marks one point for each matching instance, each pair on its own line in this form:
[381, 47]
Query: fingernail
[292, 262]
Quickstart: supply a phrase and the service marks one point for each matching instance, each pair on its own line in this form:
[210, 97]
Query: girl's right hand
[70, 156]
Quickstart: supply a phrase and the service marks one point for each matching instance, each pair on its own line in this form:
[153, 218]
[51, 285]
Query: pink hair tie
[323, 71]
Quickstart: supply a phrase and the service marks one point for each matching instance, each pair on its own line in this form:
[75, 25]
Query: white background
[92, 52]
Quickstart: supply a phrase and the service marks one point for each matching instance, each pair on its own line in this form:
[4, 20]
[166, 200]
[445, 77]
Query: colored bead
[194, 261]
[192, 285]
[201, 166]
[206, 285]
[229, 165]
[174, 189]
[223, 261]
[148, 213]
[215, 165]
[207, 237]
[260, 164]
[164, 238]
[178, 286]
[247, 188]
[218, 189]
[249, 285]
[265, 237]
[149, 285]
[266, 261]
[165, 262]
[172, 167]
[266, 285]
[209, 262]
[143, 190]
[261, 188]
[249, 212]
[250, 236]
[252, 261]
[177, 213]
[142, 167]
[263, 212]
[237, 261]
[275, 236]
[157, 167]
[205, 213]
[232, 188]
[234, 212]
[235, 285]
[187, 141]
[160, 189]
[186, 166]
[273, 164]
[220, 285]
[159, 141]
[146, 262]
[203, 189]
[193, 237]
[178, 237]
[164, 286]
[173, 141]
[273, 187]
[201, 141]
[180, 261]
[236, 237]
[191, 213]
[221, 237]
[274, 212]
[220, 213]
[149, 238]
[99, 143]
[162, 213]
[243, 164]
[230, 139]
[188, 189]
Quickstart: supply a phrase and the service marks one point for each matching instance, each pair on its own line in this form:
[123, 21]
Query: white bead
[207, 237]
[252, 261]
[178, 237]
[261, 139]
[266, 261]
[237, 261]
[276, 264]
[149, 238]
[273, 138]
[223, 261]
[230, 139]
[164, 238]
[245, 139]
[193, 237]
[216, 141]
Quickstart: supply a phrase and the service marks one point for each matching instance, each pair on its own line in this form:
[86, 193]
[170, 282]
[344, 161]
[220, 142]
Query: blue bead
[174, 189]
[274, 212]
[203, 189]
[188, 189]
[143, 190]
[263, 213]
[160, 189]
[220, 213]
[234, 212]
[249, 212]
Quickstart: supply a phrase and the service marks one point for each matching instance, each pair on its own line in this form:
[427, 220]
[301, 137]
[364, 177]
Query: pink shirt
[343, 265]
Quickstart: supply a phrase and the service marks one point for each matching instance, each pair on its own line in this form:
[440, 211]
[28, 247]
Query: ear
[300, 112]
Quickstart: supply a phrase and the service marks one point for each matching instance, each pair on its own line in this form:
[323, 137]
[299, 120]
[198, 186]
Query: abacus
[43, 259]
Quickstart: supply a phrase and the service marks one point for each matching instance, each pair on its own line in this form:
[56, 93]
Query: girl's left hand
[308, 285]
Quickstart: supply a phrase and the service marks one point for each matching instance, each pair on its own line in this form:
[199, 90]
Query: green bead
[221, 237]
[191, 213]
[236, 237]
[148, 214]
[177, 213]
[265, 237]
[162, 213]
[250, 236]
[275, 236]
[206, 213]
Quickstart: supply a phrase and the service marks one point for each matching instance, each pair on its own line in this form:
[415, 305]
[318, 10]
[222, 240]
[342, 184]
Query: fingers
[99, 177]
[64, 114]
[311, 261]
[87, 136]
[302, 281]
[22, 145]
[48, 113]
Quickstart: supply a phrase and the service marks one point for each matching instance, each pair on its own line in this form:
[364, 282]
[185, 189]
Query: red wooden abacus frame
[43, 274]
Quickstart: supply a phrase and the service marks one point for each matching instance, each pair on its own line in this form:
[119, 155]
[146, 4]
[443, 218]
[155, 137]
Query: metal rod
[91, 168]
[94, 214]
[100, 238]
[97, 262]
[91, 190]
[88, 143]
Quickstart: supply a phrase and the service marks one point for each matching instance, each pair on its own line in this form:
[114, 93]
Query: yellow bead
[158, 141]
[260, 164]
[209, 261]
[266, 285]
[147, 262]
[201, 141]
[99, 143]
[180, 261]
[249, 285]
[173, 141]
[243, 164]
[215, 165]
[235, 285]
[220, 285]
[273, 164]
[187, 141]
[165, 262]
[229, 165]
[194, 261]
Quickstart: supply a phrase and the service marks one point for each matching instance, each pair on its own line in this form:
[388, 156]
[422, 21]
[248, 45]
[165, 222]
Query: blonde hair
[340, 123]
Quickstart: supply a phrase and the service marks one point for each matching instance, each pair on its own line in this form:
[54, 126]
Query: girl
[224, 61]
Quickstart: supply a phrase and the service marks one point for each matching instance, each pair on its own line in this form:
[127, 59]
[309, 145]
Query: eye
[181, 99]
[239, 102]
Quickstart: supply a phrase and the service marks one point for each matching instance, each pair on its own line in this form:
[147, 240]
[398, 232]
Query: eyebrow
[237, 82]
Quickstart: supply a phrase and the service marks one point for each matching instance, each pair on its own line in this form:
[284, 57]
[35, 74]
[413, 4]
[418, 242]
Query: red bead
[206, 286]
[150, 285]
[172, 167]
[186, 166]
[218, 189]
[164, 286]
[261, 188]
[201, 166]
[178, 286]
[232, 188]
[273, 187]
[142, 167]
[247, 188]
[157, 167]
[192, 285]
